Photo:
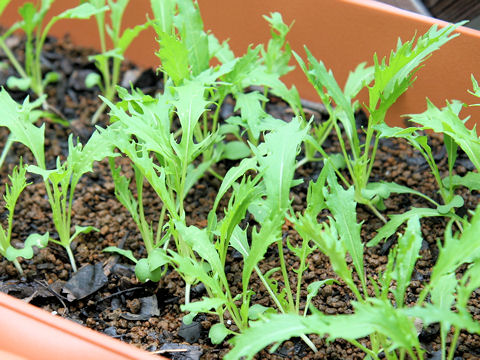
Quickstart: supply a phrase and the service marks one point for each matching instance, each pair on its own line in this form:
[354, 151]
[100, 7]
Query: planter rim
[16, 315]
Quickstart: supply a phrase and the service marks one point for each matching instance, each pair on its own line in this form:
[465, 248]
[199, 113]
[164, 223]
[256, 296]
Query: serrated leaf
[396, 220]
[408, 248]
[204, 305]
[343, 207]
[259, 335]
[471, 181]
[190, 25]
[174, 57]
[17, 119]
[276, 157]
[358, 79]
[457, 249]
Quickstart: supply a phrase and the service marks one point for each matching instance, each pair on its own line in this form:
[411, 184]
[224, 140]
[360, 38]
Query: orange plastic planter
[342, 33]
[29, 333]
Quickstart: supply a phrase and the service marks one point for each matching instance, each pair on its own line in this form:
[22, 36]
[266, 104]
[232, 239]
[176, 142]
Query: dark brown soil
[109, 309]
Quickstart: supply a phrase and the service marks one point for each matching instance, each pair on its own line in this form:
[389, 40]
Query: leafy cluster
[174, 139]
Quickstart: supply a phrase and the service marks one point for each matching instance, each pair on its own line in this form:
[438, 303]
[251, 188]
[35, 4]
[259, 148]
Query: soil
[148, 315]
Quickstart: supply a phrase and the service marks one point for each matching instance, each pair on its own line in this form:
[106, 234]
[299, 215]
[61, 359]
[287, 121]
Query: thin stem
[71, 258]
[187, 292]
[270, 291]
[453, 344]
[17, 266]
[285, 275]
[363, 348]
[13, 60]
[309, 343]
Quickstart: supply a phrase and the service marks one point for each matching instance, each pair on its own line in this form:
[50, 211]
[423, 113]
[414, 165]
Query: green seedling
[386, 81]
[30, 73]
[12, 193]
[383, 316]
[60, 183]
[120, 40]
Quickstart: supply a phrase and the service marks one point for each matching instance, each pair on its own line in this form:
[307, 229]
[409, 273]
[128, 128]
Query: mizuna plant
[60, 183]
[121, 40]
[384, 317]
[12, 193]
[30, 73]
[386, 81]
[186, 51]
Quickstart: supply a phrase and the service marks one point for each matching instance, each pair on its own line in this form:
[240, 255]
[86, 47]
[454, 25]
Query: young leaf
[396, 220]
[276, 157]
[174, 57]
[126, 253]
[343, 207]
[471, 180]
[37, 240]
[408, 248]
[218, 332]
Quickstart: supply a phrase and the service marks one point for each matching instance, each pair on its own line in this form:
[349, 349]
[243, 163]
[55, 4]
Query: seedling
[60, 183]
[30, 73]
[390, 80]
[12, 193]
[121, 40]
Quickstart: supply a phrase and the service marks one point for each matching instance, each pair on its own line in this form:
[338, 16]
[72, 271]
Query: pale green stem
[17, 266]
[285, 275]
[453, 344]
[13, 60]
[5, 150]
[270, 291]
[72, 258]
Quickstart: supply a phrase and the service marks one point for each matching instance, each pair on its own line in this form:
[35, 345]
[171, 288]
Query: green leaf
[17, 119]
[456, 202]
[443, 297]
[3, 5]
[393, 78]
[93, 79]
[274, 329]
[277, 159]
[204, 305]
[83, 11]
[126, 253]
[164, 12]
[143, 272]
[313, 289]
[129, 35]
[190, 25]
[408, 248]
[19, 183]
[50, 77]
[174, 57]
[231, 176]
[32, 240]
[358, 79]
[235, 150]
[16, 83]
[343, 207]
[458, 250]
[218, 332]
[83, 230]
[396, 220]
[471, 181]
[447, 121]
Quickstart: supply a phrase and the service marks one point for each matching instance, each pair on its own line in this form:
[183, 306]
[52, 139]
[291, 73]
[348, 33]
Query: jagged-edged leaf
[471, 180]
[396, 220]
[407, 253]
[343, 207]
[358, 79]
[458, 249]
[174, 57]
[83, 11]
[276, 157]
